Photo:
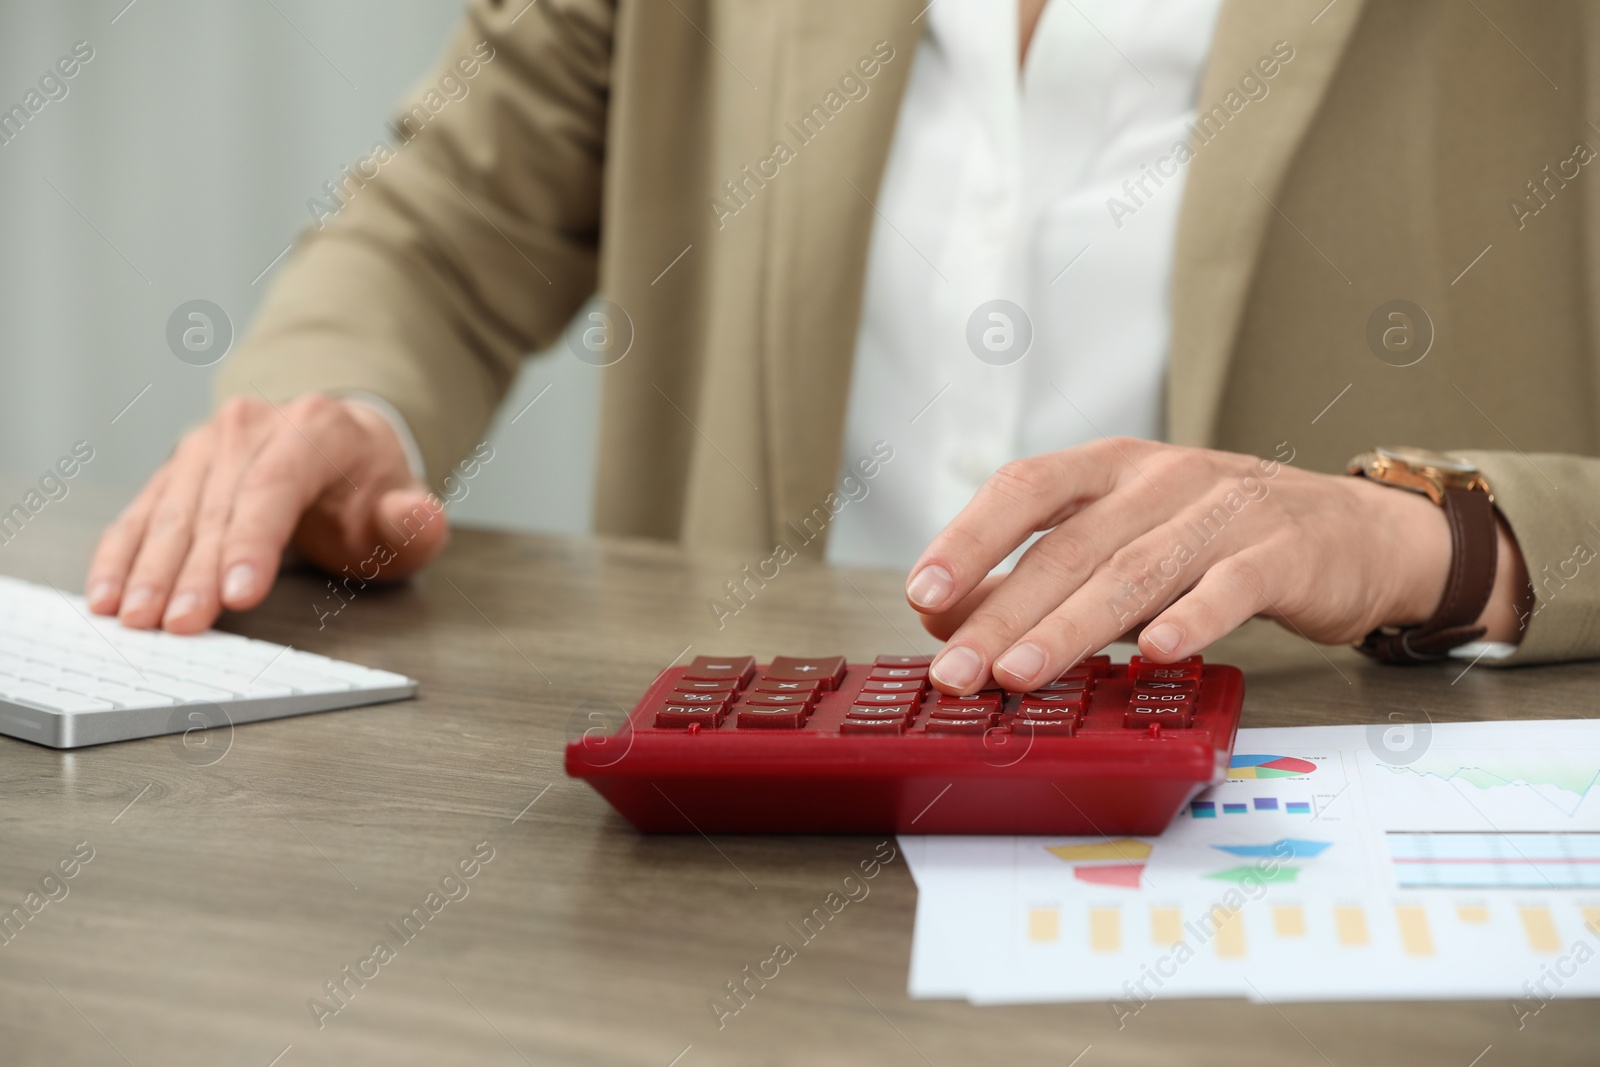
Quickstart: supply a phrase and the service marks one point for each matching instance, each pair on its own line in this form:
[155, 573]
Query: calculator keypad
[892, 697]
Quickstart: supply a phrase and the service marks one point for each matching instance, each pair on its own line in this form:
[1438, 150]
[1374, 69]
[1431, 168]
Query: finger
[196, 600]
[1228, 595]
[1135, 584]
[1019, 499]
[277, 487]
[167, 534]
[421, 528]
[945, 623]
[402, 531]
[118, 545]
[1049, 572]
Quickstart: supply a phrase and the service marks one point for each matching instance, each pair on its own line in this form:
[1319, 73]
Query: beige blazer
[710, 166]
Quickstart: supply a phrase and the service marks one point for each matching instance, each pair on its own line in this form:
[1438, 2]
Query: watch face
[1423, 457]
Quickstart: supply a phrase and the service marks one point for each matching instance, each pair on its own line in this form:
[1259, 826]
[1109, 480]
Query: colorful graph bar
[1166, 926]
[1298, 807]
[1044, 925]
[1591, 919]
[1266, 803]
[1350, 926]
[1203, 809]
[1415, 937]
[1235, 809]
[1289, 921]
[1105, 929]
[1476, 914]
[1540, 927]
[1230, 933]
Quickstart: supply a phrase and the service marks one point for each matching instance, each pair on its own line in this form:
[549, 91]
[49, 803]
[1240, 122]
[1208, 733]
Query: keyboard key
[882, 727]
[987, 698]
[704, 700]
[1140, 663]
[889, 674]
[829, 670]
[1060, 703]
[1166, 685]
[1067, 685]
[942, 725]
[874, 713]
[680, 715]
[707, 668]
[779, 700]
[966, 713]
[883, 699]
[778, 718]
[1170, 716]
[894, 685]
[712, 685]
[902, 661]
[779, 685]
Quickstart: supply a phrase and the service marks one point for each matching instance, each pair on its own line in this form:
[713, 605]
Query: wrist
[1420, 550]
[1505, 617]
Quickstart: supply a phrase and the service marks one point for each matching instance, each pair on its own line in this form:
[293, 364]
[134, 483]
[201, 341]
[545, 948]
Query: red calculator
[819, 745]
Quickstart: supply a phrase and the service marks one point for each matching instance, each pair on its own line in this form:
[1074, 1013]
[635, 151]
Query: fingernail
[929, 586]
[957, 667]
[137, 600]
[1022, 662]
[102, 591]
[1163, 637]
[181, 605]
[239, 583]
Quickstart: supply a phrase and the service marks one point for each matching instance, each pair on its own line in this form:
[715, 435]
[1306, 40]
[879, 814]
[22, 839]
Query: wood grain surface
[231, 880]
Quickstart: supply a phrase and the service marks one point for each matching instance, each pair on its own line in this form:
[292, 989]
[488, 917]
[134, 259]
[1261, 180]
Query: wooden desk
[222, 897]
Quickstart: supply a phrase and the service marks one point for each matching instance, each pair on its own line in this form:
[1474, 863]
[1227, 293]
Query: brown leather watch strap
[1474, 556]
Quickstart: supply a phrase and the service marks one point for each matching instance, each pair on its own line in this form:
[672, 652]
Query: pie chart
[1265, 766]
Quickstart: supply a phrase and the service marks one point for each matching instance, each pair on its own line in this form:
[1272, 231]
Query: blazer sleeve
[466, 241]
[1549, 501]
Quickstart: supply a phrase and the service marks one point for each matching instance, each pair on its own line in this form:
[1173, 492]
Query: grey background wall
[177, 167]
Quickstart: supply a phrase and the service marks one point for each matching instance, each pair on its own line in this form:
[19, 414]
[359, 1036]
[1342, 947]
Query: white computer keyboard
[69, 678]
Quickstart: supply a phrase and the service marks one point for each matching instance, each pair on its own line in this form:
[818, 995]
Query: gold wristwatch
[1461, 490]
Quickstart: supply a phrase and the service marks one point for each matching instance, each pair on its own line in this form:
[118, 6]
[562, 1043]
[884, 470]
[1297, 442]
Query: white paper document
[1336, 862]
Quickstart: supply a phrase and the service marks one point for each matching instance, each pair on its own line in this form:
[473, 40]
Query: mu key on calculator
[819, 745]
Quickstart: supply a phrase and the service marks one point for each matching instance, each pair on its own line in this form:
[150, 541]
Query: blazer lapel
[1233, 182]
[820, 223]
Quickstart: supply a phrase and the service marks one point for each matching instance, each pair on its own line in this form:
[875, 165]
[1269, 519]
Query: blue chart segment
[1286, 848]
[1207, 809]
[1471, 860]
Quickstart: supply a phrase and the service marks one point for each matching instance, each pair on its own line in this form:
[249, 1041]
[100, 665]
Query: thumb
[412, 520]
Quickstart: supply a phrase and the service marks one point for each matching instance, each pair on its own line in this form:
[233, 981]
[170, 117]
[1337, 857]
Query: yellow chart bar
[1591, 919]
[1350, 924]
[1044, 925]
[1230, 933]
[1105, 929]
[1472, 913]
[1289, 921]
[1166, 926]
[1415, 936]
[1540, 927]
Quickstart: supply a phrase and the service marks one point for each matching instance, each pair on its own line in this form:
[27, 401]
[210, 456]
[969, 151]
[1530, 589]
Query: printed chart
[1470, 871]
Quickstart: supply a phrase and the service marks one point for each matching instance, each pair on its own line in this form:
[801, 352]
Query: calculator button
[1059, 725]
[1170, 716]
[681, 715]
[778, 700]
[889, 674]
[886, 727]
[868, 700]
[1140, 663]
[778, 685]
[1167, 674]
[1143, 698]
[902, 661]
[966, 712]
[1067, 685]
[878, 712]
[987, 698]
[829, 670]
[1057, 703]
[715, 700]
[1099, 664]
[909, 687]
[1165, 685]
[779, 718]
[706, 668]
[939, 725]
[713, 685]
